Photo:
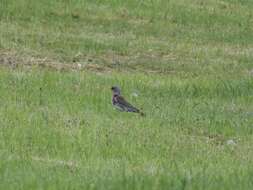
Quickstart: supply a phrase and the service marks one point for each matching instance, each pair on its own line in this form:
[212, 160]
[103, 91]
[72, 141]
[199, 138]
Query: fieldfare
[120, 103]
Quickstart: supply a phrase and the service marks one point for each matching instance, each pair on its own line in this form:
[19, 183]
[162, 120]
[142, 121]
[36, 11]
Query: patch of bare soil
[98, 63]
[14, 60]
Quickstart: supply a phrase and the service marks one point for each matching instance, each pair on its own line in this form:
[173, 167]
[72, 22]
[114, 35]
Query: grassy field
[187, 64]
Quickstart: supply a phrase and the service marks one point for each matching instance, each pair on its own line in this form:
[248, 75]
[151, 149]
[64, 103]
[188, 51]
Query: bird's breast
[114, 100]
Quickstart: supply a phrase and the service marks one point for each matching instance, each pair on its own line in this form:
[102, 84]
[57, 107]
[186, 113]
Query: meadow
[187, 64]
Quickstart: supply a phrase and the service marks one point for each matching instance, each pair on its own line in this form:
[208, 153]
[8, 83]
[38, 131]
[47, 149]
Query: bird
[121, 104]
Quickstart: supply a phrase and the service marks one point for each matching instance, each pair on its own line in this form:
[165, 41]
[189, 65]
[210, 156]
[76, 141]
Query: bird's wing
[127, 105]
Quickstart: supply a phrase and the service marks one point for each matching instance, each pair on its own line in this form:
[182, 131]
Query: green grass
[190, 62]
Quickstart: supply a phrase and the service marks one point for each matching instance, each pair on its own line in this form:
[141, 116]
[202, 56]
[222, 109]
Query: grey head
[115, 90]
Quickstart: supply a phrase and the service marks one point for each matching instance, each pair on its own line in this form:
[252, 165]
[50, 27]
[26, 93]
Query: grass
[190, 62]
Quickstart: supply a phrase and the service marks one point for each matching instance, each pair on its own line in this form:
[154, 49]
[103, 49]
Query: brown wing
[127, 105]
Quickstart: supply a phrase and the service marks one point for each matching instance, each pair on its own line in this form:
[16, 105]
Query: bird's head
[115, 90]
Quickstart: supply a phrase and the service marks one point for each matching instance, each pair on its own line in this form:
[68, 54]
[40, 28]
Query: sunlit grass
[189, 64]
[70, 126]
